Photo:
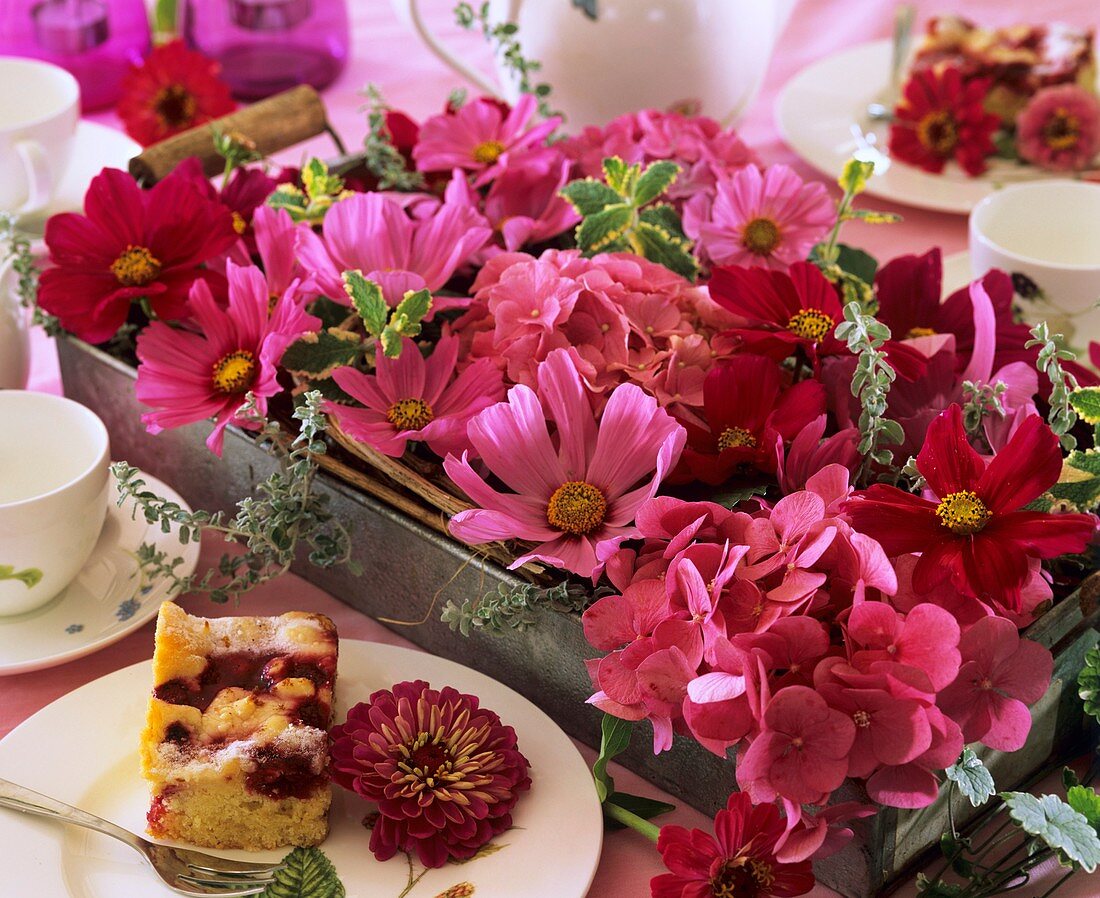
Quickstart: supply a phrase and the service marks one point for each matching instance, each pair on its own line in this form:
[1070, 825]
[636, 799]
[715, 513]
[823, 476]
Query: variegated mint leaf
[1058, 825]
[972, 778]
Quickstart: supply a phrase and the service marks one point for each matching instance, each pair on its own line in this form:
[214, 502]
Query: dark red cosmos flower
[245, 191]
[941, 117]
[975, 532]
[738, 861]
[131, 244]
[746, 409]
[781, 312]
[173, 90]
[445, 772]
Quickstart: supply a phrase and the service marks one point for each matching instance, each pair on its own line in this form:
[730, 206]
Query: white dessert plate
[109, 598]
[821, 114]
[83, 749]
[97, 147]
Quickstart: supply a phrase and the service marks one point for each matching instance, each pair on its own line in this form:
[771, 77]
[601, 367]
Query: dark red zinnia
[738, 861]
[941, 117]
[131, 244]
[172, 91]
[445, 772]
[975, 531]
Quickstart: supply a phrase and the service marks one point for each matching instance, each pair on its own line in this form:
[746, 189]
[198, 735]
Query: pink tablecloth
[385, 53]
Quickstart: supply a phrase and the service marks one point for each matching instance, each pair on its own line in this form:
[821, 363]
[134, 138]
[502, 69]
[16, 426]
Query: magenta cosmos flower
[445, 772]
[1059, 129]
[188, 376]
[771, 219]
[481, 137]
[575, 494]
[410, 398]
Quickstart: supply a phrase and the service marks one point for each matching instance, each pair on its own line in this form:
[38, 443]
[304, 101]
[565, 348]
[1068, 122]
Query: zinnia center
[736, 438]
[233, 373]
[920, 332]
[410, 414]
[576, 507]
[761, 236]
[963, 512]
[938, 132]
[810, 324]
[742, 878]
[427, 757]
[174, 105]
[488, 152]
[135, 267]
[1062, 130]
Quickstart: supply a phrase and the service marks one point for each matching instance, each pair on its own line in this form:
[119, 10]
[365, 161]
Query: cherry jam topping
[177, 733]
[278, 775]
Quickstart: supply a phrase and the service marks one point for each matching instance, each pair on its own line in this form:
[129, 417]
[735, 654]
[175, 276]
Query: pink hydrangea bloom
[577, 498]
[483, 136]
[189, 375]
[410, 398]
[926, 638]
[1059, 129]
[769, 219]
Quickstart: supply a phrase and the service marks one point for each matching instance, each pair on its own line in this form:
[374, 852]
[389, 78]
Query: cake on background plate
[235, 743]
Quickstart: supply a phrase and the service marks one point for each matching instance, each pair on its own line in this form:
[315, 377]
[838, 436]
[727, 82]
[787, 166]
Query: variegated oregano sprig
[871, 382]
[623, 213]
[1052, 353]
[381, 157]
[516, 607]
[15, 249]
[285, 514]
[309, 203]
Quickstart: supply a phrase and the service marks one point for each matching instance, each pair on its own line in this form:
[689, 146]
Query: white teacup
[39, 112]
[54, 482]
[1048, 231]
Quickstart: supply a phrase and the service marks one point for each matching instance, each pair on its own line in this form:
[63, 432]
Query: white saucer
[108, 599]
[821, 114]
[97, 147]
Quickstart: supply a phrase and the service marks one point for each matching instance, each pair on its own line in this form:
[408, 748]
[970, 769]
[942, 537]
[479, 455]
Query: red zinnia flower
[172, 91]
[941, 117]
[131, 244]
[975, 531]
[738, 861]
[445, 772]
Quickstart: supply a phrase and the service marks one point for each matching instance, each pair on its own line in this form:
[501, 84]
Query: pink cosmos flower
[577, 498]
[481, 137]
[188, 376]
[276, 238]
[372, 233]
[770, 219]
[410, 398]
[1059, 129]
[1000, 676]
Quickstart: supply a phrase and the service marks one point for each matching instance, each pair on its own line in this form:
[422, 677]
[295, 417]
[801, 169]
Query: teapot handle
[408, 11]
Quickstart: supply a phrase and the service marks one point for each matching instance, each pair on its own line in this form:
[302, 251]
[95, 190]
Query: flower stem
[633, 821]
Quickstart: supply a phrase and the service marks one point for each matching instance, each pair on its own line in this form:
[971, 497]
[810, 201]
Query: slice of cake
[236, 737]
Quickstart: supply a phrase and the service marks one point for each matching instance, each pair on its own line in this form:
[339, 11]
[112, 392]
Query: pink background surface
[412, 79]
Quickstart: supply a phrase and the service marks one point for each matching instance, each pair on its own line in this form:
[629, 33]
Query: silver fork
[187, 872]
[881, 108]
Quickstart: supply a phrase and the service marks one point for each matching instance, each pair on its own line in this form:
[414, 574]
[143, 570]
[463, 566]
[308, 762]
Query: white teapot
[14, 339]
[707, 56]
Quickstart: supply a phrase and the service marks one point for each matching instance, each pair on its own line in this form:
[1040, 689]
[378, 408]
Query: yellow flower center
[135, 267]
[963, 512]
[761, 236]
[762, 873]
[938, 132]
[920, 332]
[861, 719]
[239, 224]
[488, 152]
[410, 414]
[174, 105]
[736, 438]
[576, 507]
[1062, 130]
[233, 373]
[810, 324]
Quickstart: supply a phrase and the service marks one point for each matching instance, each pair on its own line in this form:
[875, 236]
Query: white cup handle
[409, 12]
[39, 181]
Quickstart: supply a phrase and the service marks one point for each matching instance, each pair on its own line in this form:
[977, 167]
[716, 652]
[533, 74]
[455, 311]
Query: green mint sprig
[388, 325]
[309, 203]
[1052, 353]
[381, 157]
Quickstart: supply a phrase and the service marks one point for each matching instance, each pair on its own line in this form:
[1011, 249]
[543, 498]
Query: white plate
[821, 114]
[108, 599]
[82, 749]
[97, 147]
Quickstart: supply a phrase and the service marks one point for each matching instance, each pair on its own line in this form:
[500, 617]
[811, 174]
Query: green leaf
[663, 216]
[29, 577]
[619, 175]
[391, 342]
[307, 874]
[1069, 778]
[656, 179]
[614, 740]
[411, 311]
[873, 216]
[1057, 824]
[857, 262]
[366, 298]
[1088, 683]
[734, 495]
[928, 888]
[972, 778]
[331, 313]
[318, 354]
[597, 232]
[1085, 802]
[854, 177]
[646, 808]
[1086, 402]
[590, 196]
[659, 246]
